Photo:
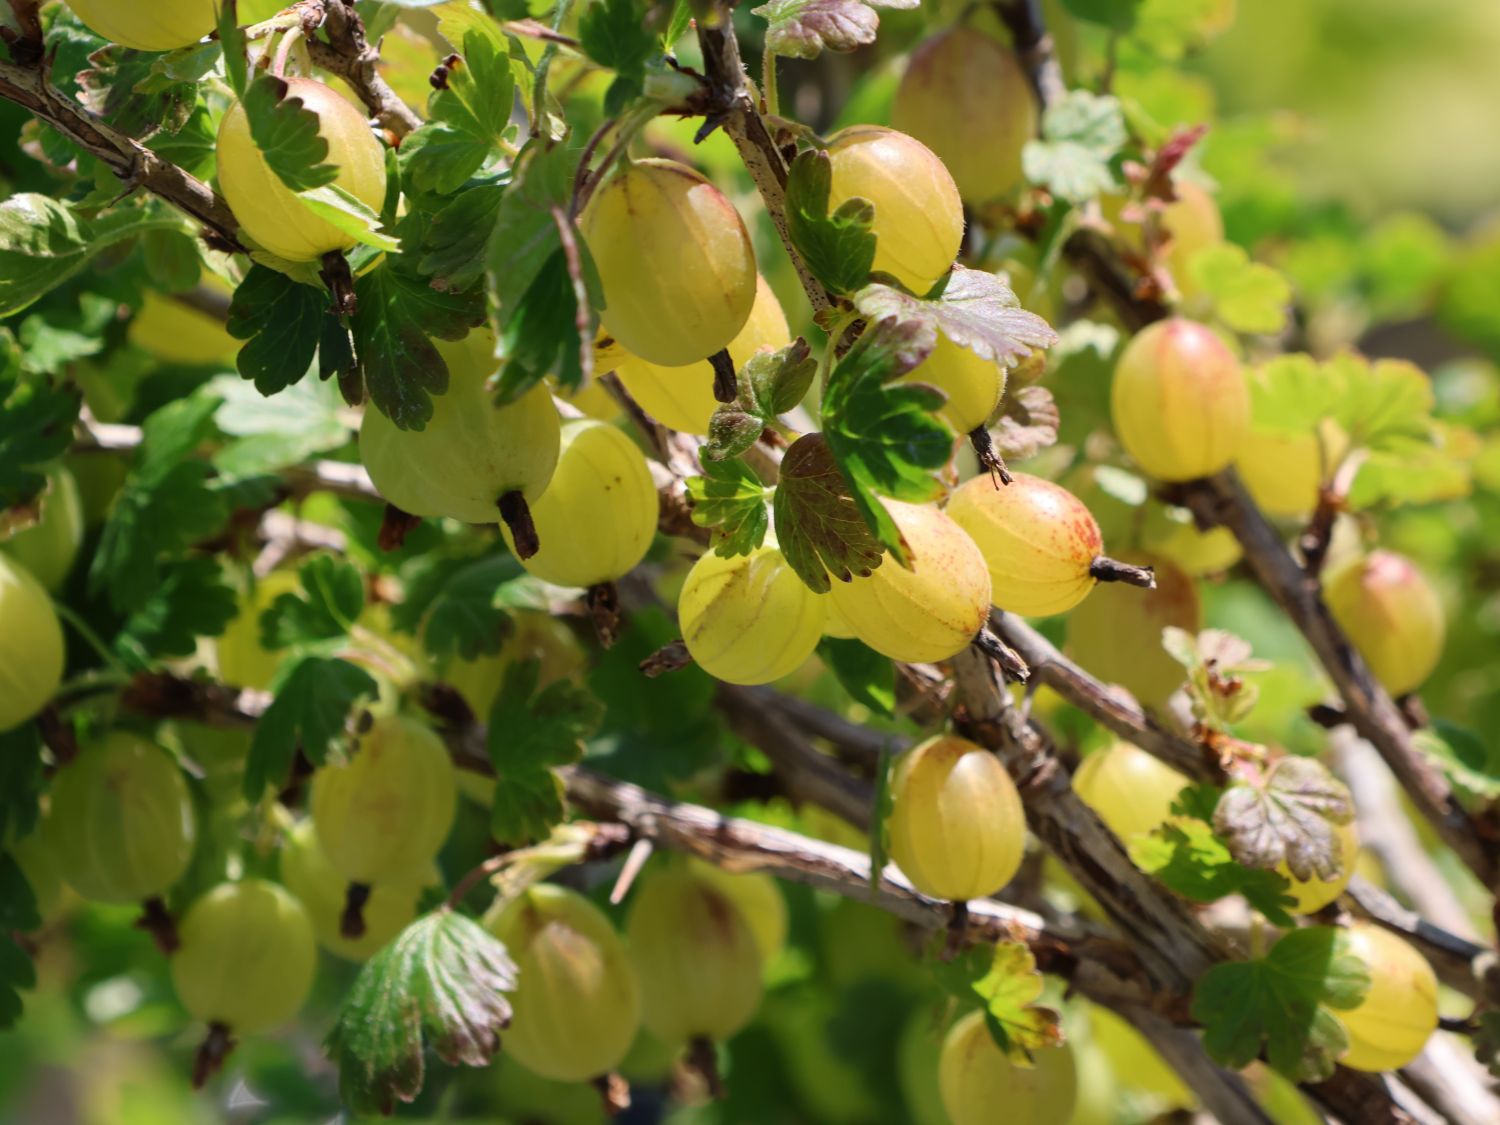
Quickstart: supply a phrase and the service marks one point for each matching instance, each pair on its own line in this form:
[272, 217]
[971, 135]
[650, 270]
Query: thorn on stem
[957, 931]
[726, 386]
[640, 852]
[517, 516]
[1106, 569]
[352, 920]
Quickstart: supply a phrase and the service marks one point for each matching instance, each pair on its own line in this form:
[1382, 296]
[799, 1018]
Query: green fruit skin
[242, 660]
[382, 815]
[1391, 615]
[957, 827]
[308, 874]
[966, 98]
[1137, 1064]
[696, 958]
[1314, 894]
[247, 956]
[1037, 538]
[1391, 1025]
[1114, 611]
[31, 646]
[759, 900]
[675, 261]
[749, 619]
[270, 212]
[578, 1005]
[49, 547]
[147, 25]
[1131, 790]
[1180, 404]
[974, 385]
[598, 516]
[919, 216]
[471, 452]
[976, 1078]
[121, 823]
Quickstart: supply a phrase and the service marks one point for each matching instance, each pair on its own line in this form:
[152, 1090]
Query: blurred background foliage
[1355, 145]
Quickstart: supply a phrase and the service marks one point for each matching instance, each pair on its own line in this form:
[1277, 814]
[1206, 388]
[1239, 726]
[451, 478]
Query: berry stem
[614, 1093]
[603, 600]
[517, 516]
[989, 457]
[1106, 569]
[726, 385]
[395, 526]
[157, 921]
[352, 920]
[211, 1054]
[703, 1060]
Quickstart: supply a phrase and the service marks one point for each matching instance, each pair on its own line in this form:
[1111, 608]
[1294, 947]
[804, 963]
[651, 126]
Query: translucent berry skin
[1193, 222]
[598, 516]
[1037, 538]
[675, 261]
[1314, 894]
[931, 611]
[471, 451]
[1114, 610]
[682, 398]
[1284, 472]
[31, 646]
[1170, 532]
[243, 661]
[759, 900]
[1391, 615]
[966, 98]
[1180, 404]
[696, 957]
[49, 547]
[975, 1078]
[919, 217]
[382, 815]
[178, 333]
[578, 1005]
[957, 827]
[974, 385]
[147, 25]
[266, 208]
[1391, 1025]
[247, 957]
[1131, 790]
[308, 874]
[749, 619]
[121, 823]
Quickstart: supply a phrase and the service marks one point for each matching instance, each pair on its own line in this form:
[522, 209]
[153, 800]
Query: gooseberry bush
[838, 562]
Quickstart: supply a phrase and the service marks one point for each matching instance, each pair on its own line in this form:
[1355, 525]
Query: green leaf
[1469, 762]
[191, 601]
[21, 780]
[129, 90]
[819, 523]
[868, 677]
[44, 242]
[36, 427]
[1119, 15]
[330, 601]
[530, 733]
[1288, 818]
[340, 209]
[469, 118]
[839, 249]
[310, 713]
[286, 132]
[1191, 861]
[1283, 1001]
[1009, 992]
[770, 384]
[530, 279]
[1248, 296]
[18, 914]
[442, 982]
[883, 434]
[398, 310]
[1081, 134]
[455, 245]
[731, 500]
[880, 832]
[616, 34]
[976, 310]
[236, 68]
[282, 322]
[452, 603]
[276, 432]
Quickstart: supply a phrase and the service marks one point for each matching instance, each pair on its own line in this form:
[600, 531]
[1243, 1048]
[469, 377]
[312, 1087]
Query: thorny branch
[350, 55]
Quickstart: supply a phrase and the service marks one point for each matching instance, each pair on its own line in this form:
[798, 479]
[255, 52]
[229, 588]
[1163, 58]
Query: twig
[126, 157]
[351, 56]
[1034, 48]
[1222, 500]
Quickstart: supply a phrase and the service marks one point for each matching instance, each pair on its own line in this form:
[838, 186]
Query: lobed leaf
[309, 713]
[331, 598]
[819, 523]
[1288, 818]
[192, 600]
[731, 500]
[286, 133]
[839, 248]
